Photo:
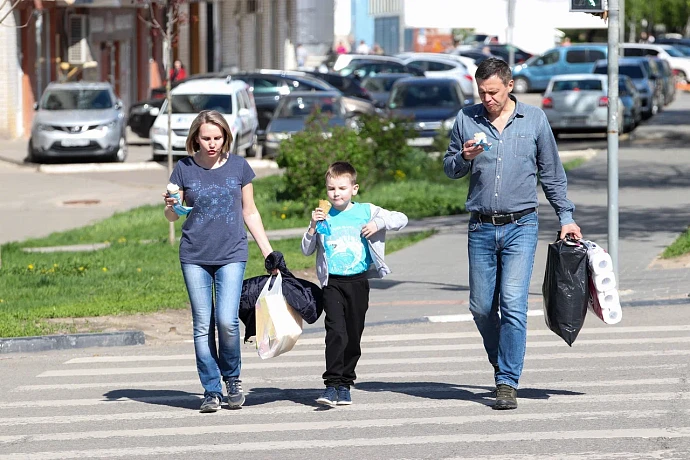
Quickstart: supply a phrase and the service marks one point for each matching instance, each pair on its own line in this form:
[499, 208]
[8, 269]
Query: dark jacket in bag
[302, 295]
[565, 288]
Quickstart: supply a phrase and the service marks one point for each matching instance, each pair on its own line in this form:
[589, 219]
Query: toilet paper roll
[610, 306]
[604, 281]
[599, 261]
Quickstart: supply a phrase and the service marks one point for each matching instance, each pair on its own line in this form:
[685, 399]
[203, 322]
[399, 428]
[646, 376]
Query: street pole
[621, 15]
[509, 33]
[168, 68]
[612, 132]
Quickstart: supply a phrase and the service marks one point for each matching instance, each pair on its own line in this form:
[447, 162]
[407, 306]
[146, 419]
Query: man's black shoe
[506, 397]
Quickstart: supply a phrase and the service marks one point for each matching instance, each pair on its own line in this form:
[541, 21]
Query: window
[576, 56]
[194, 103]
[424, 65]
[549, 58]
[428, 95]
[77, 99]
[440, 66]
[577, 85]
[632, 71]
[633, 52]
[651, 53]
[595, 55]
[301, 107]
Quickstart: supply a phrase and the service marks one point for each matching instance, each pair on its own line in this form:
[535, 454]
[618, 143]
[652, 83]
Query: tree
[169, 32]
[674, 15]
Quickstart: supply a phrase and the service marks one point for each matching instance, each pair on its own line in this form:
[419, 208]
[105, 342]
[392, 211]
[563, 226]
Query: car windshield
[195, 103]
[77, 99]
[301, 107]
[379, 85]
[632, 71]
[577, 85]
[682, 49]
[428, 95]
[673, 52]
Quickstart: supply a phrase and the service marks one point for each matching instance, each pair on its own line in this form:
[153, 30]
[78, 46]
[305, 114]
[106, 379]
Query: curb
[71, 341]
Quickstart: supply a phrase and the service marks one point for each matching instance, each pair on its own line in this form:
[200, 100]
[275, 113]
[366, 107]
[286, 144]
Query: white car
[345, 60]
[230, 97]
[444, 65]
[680, 63]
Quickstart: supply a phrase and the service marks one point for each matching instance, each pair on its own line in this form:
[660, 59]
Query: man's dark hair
[494, 66]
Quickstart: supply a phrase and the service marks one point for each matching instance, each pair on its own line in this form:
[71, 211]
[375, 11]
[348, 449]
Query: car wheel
[252, 150]
[682, 78]
[121, 155]
[521, 85]
[33, 157]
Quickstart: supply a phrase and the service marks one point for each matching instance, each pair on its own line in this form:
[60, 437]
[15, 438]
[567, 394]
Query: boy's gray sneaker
[211, 404]
[329, 397]
[506, 397]
[344, 398]
[235, 395]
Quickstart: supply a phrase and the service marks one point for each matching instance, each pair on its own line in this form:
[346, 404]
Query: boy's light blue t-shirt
[347, 251]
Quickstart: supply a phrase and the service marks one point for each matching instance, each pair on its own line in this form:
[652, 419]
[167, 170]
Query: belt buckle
[493, 220]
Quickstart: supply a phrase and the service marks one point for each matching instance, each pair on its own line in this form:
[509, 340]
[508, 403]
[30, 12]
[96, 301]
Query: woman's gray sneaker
[235, 395]
[211, 404]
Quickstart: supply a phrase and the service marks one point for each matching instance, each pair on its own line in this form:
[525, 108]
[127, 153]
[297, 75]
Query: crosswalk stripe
[676, 432]
[408, 387]
[331, 424]
[361, 376]
[296, 409]
[277, 364]
[384, 350]
[667, 454]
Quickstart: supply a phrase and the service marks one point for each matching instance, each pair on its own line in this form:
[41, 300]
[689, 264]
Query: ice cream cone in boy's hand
[325, 205]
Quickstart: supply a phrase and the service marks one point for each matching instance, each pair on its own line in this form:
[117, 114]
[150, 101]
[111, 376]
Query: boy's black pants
[346, 300]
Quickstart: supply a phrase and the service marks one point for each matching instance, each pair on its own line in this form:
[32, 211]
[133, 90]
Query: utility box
[588, 6]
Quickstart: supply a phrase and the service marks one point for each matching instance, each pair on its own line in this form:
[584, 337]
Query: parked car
[78, 119]
[503, 51]
[649, 88]
[536, 73]
[292, 113]
[578, 103]
[142, 115]
[365, 68]
[667, 77]
[379, 86]
[431, 104]
[444, 65]
[268, 86]
[228, 96]
[349, 86]
[345, 60]
[631, 101]
[679, 62]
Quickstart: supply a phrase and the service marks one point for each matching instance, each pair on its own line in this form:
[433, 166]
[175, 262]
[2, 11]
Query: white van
[229, 97]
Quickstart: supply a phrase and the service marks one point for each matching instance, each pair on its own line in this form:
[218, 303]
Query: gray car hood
[75, 117]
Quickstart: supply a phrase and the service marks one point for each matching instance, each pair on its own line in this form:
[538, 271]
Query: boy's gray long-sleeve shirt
[384, 219]
[504, 178]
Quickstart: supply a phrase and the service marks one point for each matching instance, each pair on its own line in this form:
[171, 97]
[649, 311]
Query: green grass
[679, 247]
[574, 163]
[128, 277]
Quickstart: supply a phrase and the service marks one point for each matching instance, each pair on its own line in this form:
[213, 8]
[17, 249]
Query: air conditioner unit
[78, 46]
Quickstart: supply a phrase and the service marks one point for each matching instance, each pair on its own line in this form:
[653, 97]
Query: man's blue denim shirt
[504, 178]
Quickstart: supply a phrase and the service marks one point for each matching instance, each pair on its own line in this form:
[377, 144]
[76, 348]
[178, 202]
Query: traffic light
[587, 6]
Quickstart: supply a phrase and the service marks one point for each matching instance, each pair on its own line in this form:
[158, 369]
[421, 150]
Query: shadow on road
[169, 398]
[259, 396]
[442, 391]
[383, 284]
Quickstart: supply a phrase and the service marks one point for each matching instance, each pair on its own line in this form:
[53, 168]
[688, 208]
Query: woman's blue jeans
[501, 259]
[214, 292]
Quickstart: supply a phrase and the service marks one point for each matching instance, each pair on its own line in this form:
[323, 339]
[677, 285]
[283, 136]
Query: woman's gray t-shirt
[213, 233]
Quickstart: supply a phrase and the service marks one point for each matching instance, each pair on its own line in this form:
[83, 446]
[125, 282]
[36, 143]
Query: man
[363, 48]
[301, 54]
[502, 199]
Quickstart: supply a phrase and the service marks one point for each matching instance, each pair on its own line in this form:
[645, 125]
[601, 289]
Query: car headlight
[157, 131]
[448, 124]
[45, 128]
[154, 111]
[107, 126]
[277, 137]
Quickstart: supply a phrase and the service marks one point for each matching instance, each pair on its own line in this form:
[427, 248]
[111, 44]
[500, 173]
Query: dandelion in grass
[81, 269]
[122, 239]
[55, 265]
[139, 270]
[31, 266]
[283, 216]
[105, 269]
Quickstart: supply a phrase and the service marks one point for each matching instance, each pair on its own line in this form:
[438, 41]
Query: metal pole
[509, 32]
[612, 133]
[621, 15]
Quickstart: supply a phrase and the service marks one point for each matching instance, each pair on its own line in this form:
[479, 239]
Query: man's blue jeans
[501, 260]
[209, 314]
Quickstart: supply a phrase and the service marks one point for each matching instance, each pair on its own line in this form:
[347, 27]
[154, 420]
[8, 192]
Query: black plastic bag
[565, 288]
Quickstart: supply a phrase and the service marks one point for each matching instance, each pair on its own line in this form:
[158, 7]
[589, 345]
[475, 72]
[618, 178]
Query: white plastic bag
[278, 325]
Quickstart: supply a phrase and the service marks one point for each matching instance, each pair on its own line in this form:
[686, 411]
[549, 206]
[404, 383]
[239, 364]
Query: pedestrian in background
[502, 200]
[214, 251]
[178, 72]
[362, 48]
[348, 253]
[301, 54]
[341, 48]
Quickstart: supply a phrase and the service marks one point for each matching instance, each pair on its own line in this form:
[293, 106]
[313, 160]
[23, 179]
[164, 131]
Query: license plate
[74, 142]
[578, 120]
[421, 142]
[179, 144]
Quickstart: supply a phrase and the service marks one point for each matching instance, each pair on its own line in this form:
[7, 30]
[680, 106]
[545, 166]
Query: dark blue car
[430, 103]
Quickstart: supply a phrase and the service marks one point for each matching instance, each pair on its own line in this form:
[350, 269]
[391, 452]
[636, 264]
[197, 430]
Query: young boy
[349, 250]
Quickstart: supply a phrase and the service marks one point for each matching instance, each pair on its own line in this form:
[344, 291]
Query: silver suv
[79, 119]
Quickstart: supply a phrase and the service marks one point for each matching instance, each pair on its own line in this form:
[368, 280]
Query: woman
[214, 250]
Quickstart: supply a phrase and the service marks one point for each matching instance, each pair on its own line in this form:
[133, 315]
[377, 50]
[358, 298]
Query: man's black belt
[501, 219]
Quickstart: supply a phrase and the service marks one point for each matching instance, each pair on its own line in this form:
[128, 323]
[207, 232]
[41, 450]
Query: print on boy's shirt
[347, 251]
[214, 201]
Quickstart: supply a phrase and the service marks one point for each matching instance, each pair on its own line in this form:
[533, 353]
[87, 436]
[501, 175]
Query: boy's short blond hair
[340, 169]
